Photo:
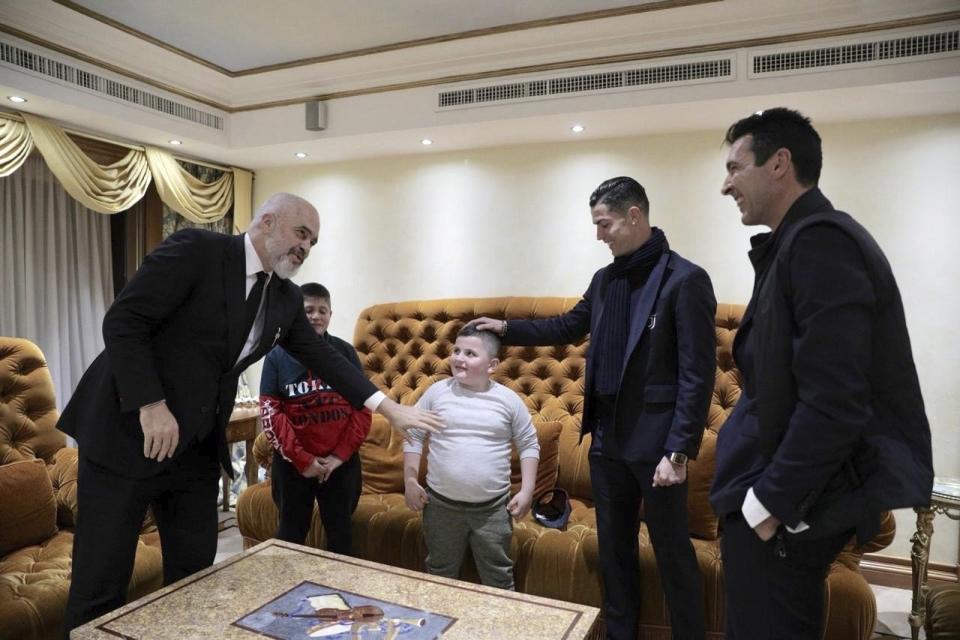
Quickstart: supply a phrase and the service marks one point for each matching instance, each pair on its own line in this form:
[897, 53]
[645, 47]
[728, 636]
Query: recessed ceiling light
[300, 154]
[426, 142]
[16, 99]
[577, 128]
[176, 142]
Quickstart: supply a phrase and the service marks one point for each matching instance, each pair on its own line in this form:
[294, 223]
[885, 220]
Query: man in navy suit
[830, 429]
[650, 368]
[150, 412]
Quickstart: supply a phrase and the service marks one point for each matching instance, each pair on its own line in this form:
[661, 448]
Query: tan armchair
[403, 348]
[38, 503]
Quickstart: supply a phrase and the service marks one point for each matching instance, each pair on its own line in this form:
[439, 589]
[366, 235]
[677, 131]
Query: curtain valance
[103, 188]
[116, 187]
[15, 145]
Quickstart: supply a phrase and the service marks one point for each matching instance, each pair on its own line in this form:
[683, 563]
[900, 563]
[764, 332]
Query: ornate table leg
[919, 557]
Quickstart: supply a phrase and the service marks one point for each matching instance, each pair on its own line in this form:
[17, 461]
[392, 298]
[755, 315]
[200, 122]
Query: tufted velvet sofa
[38, 510]
[403, 348]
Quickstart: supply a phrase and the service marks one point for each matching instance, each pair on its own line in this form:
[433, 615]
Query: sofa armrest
[263, 451]
[853, 553]
[63, 476]
[888, 530]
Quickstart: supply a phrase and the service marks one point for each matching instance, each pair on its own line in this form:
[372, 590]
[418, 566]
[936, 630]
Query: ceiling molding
[509, 71]
[140, 35]
[395, 46]
[614, 59]
[76, 55]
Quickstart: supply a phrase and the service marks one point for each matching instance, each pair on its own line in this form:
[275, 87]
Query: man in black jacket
[149, 413]
[650, 367]
[830, 428]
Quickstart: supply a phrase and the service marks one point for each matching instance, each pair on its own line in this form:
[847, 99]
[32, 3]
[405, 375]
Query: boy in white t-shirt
[467, 498]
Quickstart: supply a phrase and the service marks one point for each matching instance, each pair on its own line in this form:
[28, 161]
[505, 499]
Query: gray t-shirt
[469, 460]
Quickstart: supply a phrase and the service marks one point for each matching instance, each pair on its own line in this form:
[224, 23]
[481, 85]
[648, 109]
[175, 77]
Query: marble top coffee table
[282, 590]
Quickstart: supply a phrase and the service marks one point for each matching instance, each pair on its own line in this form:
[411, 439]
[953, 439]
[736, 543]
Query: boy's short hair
[490, 340]
[315, 290]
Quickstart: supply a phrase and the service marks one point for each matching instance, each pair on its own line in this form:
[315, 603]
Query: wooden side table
[945, 499]
[244, 426]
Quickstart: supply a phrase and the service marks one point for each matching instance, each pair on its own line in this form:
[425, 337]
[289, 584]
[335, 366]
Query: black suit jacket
[175, 333]
[832, 429]
[669, 363]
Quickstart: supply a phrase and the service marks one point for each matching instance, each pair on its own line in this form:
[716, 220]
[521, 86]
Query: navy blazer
[830, 429]
[669, 363]
[175, 333]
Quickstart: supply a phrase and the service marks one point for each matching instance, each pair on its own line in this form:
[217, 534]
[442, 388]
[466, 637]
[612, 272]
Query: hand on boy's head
[487, 324]
[415, 496]
[519, 505]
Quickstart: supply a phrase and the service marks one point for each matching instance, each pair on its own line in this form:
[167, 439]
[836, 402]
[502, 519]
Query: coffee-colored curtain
[242, 199]
[103, 188]
[56, 280]
[116, 187]
[194, 200]
[15, 145]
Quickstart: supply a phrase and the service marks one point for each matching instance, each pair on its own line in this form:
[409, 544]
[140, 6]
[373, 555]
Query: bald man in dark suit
[150, 412]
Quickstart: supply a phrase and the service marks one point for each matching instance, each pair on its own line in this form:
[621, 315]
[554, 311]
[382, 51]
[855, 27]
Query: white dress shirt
[253, 267]
[754, 513]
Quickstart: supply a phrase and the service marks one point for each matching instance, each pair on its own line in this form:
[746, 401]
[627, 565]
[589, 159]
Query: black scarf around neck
[611, 341]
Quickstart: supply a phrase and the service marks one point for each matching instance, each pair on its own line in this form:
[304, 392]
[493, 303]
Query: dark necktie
[253, 303]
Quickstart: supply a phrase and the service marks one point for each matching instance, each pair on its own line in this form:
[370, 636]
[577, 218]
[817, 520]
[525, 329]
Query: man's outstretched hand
[488, 324]
[404, 418]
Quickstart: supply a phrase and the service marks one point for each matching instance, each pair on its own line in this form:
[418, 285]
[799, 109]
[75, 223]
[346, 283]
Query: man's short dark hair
[315, 290]
[619, 194]
[490, 340]
[782, 128]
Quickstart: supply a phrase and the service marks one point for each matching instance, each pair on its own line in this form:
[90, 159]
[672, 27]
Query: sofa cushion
[943, 612]
[703, 521]
[27, 504]
[548, 434]
[28, 409]
[381, 456]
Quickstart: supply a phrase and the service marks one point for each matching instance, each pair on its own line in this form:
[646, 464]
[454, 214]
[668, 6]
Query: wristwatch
[677, 458]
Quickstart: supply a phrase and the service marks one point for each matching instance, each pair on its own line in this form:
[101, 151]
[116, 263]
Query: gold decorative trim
[509, 71]
[894, 571]
[394, 46]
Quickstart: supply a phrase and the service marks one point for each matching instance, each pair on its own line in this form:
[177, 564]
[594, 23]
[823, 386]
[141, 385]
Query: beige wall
[514, 221]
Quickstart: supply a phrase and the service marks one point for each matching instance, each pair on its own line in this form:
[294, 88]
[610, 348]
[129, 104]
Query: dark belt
[466, 505]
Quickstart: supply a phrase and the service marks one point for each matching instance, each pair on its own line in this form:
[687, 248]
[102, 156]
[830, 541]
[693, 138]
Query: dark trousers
[774, 589]
[110, 514]
[618, 488]
[336, 499]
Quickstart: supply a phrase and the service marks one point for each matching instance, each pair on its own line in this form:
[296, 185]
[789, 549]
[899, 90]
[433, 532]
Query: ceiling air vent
[683, 72]
[877, 51]
[68, 74]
